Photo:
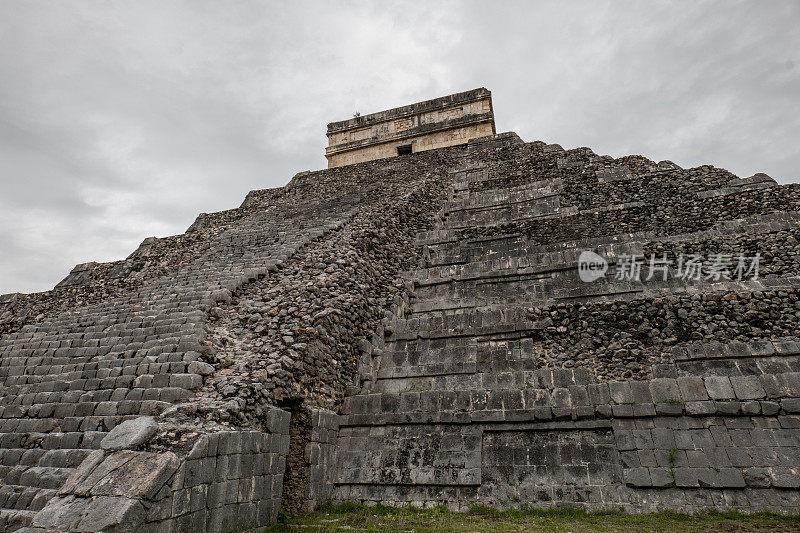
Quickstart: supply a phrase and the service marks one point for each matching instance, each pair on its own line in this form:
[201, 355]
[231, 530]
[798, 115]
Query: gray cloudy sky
[122, 120]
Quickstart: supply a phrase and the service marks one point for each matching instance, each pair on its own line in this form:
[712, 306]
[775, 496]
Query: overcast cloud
[122, 120]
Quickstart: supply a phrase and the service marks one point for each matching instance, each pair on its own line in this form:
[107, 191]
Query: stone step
[457, 298]
[523, 373]
[542, 206]
[75, 387]
[113, 350]
[21, 456]
[443, 248]
[770, 394]
[452, 232]
[14, 519]
[61, 458]
[105, 325]
[738, 358]
[518, 262]
[434, 357]
[45, 418]
[116, 392]
[68, 440]
[466, 363]
[492, 228]
[90, 369]
[25, 498]
[505, 250]
[479, 377]
[533, 289]
[472, 322]
[728, 191]
[74, 404]
[45, 477]
[468, 200]
[108, 362]
[542, 290]
[511, 173]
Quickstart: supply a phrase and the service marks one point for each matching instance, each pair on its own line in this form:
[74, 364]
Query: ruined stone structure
[413, 330]
[446, 121]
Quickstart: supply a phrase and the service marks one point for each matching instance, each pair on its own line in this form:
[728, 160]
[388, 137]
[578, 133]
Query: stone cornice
[412, 109]
[411, 133]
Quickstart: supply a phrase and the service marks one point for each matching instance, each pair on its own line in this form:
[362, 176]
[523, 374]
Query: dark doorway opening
[296, 475]
[404, 150]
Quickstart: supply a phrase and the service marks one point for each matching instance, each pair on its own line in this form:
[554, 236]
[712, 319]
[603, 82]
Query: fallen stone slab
[130, 434]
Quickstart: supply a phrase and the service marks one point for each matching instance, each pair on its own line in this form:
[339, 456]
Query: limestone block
[130, 474]
[638, 477]
[103, 513]
[700, 408]
[86, 467]
[130, 434]
[751, 408]
[665, 390]
[757, 477]
[719, 388]
[791, 405]
[727, 408]
[785, 477]
[747, 387]
[769, 408]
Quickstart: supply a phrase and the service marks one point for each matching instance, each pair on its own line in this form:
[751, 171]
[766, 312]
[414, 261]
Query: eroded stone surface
[130, 434]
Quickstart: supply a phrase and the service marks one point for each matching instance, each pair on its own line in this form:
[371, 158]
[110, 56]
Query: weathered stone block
[791, 405]
[686, 477]
[785, 477]
[130, 434]
[86, 467]
[638, 477]
[747, 387]
[719, 388]
[72, 513]
[700, 408]
[141, 476]
[661, 477]
[757, 477]
[751, 408]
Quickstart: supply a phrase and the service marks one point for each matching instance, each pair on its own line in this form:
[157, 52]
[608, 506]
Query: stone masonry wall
[228, 480]
[322, 457]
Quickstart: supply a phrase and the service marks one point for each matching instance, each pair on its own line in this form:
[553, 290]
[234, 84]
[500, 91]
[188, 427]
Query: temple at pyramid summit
[446, 121]
[444, 316]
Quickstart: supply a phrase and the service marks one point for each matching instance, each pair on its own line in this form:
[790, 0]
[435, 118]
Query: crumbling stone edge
[228, 480]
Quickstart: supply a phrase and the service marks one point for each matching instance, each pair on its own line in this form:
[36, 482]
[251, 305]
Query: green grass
[354, 517]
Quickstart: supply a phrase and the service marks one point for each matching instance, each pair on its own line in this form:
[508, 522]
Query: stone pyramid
[415, 330]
